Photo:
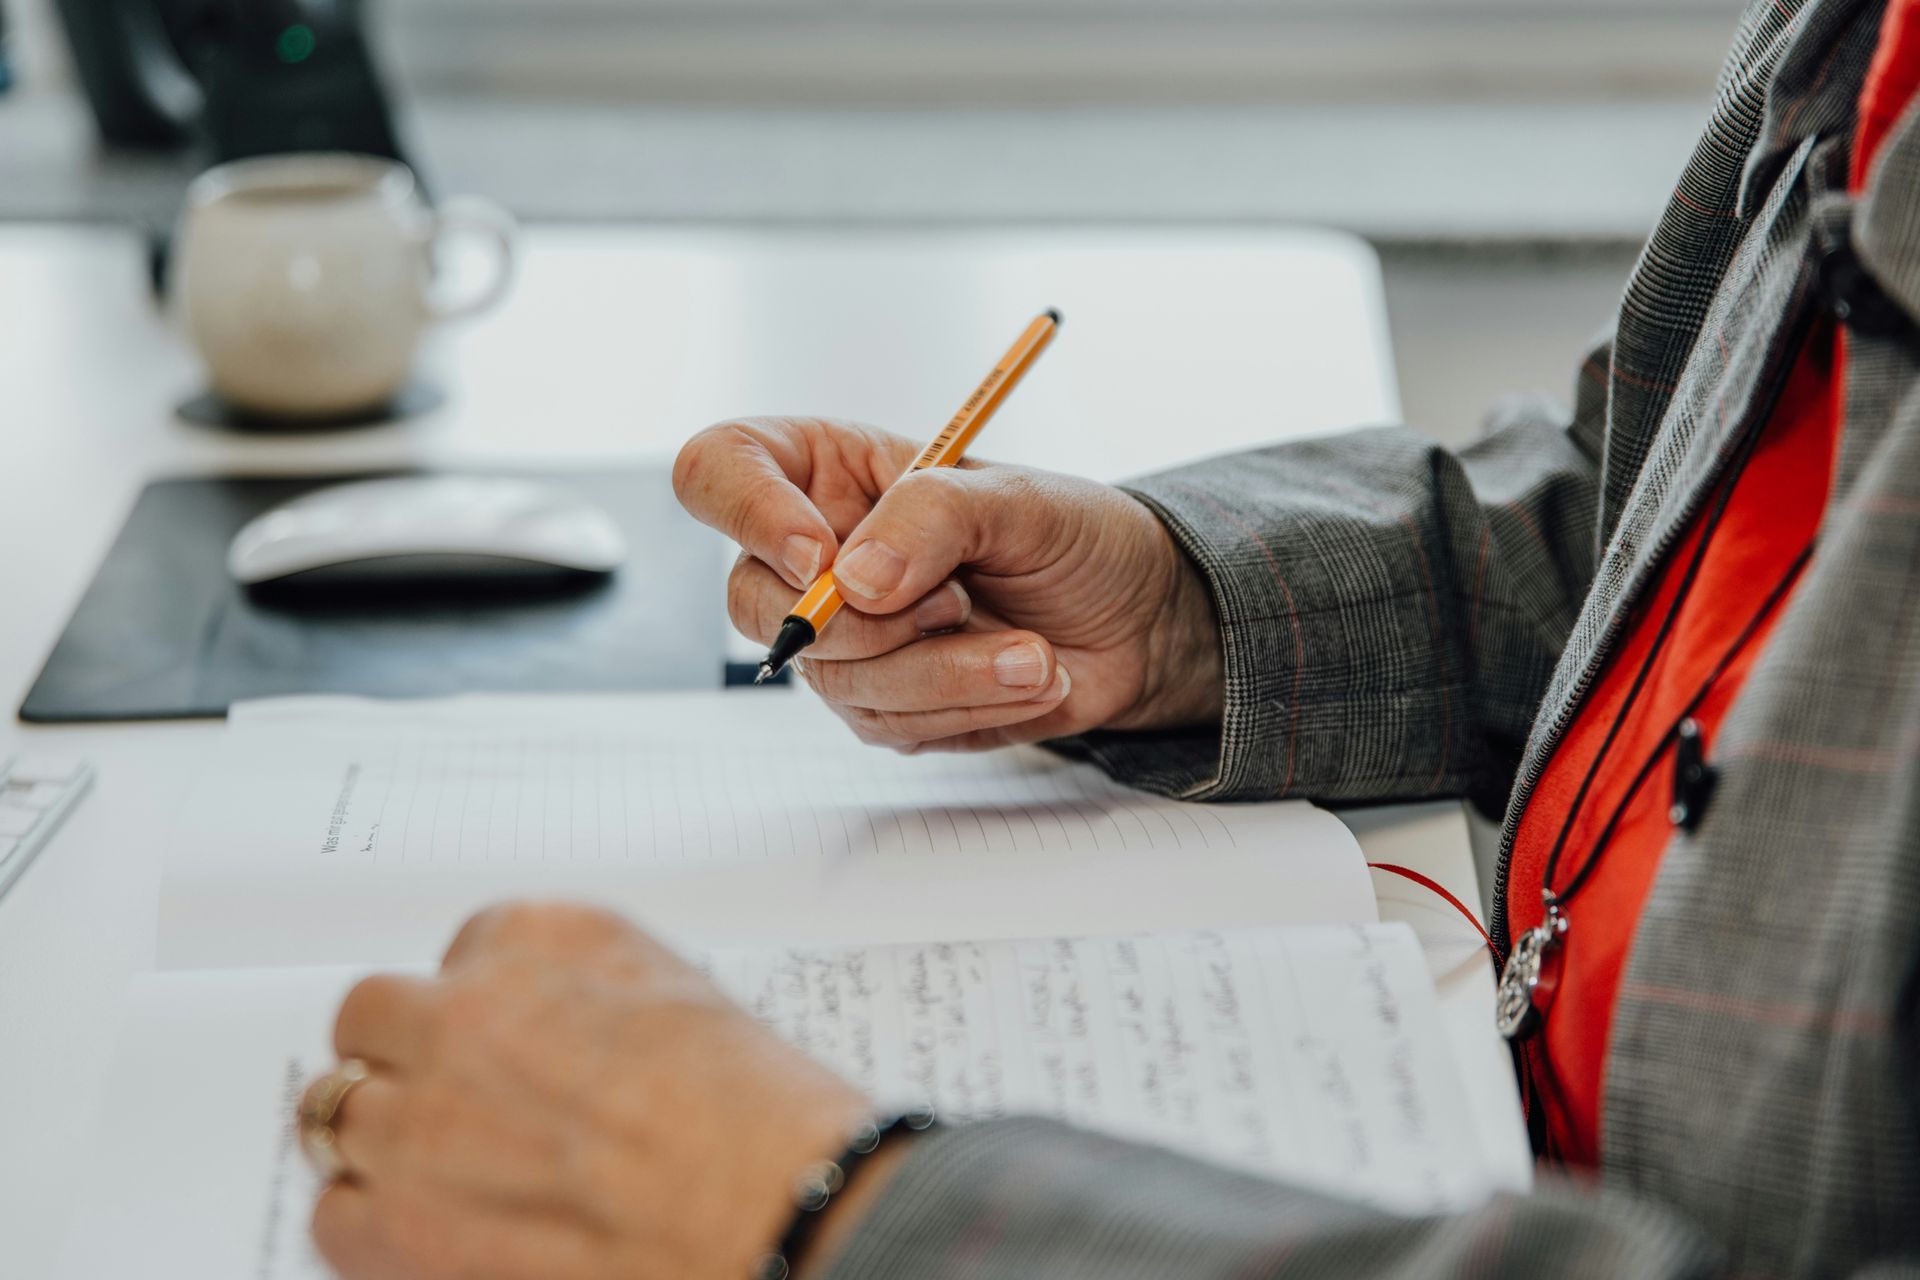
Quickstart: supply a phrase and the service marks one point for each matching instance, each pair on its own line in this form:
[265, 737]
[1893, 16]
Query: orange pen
[822, 600]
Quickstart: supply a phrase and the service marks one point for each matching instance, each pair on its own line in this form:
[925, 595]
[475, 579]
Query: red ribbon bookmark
[1428, 882]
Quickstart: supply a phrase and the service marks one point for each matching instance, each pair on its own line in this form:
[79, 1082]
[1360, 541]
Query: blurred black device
[245, 77]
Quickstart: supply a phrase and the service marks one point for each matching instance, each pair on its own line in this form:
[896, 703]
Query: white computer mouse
[438, 525]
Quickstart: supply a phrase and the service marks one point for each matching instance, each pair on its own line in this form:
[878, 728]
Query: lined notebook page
[583, 796]
[337, 831]
[1311, 1055]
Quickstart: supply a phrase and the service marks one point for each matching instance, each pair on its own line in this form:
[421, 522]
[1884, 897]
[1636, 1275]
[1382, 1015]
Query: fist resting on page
[569, 1100]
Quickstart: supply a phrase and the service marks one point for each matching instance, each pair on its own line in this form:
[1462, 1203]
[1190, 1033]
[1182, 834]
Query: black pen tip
[764, 674]
[1054, 315]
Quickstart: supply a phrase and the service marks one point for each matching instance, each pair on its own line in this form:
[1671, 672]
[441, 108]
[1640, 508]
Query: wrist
[832, 1196]
[1185, 658]
[842, 1219]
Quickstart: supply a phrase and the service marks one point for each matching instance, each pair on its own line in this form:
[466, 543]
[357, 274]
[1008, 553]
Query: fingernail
[1020, 666]
[872, 570]
[1062, 683]
[802, 555]
[947, 607]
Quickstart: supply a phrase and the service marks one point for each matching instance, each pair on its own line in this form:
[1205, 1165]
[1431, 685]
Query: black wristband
[825, 1179]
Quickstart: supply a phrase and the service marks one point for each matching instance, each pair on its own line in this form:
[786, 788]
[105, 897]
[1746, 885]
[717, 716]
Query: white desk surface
[615, 345]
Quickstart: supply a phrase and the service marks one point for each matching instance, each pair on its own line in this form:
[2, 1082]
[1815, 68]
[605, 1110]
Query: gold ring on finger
[318, 1106]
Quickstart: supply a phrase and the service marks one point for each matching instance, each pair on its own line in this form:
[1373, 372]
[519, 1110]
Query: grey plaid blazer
[1400, 621]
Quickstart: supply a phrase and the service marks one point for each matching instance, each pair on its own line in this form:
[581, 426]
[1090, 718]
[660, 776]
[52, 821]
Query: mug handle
[470, 215]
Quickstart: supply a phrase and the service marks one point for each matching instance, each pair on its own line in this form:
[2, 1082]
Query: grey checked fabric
[1400, 621]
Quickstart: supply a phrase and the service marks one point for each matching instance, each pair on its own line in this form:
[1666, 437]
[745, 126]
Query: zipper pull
[1693, 777]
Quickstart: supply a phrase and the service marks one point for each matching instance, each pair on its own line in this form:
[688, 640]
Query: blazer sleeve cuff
[1023, 1197]
[1018, 1198]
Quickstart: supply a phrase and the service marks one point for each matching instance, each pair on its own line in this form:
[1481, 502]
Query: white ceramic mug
[306, 281]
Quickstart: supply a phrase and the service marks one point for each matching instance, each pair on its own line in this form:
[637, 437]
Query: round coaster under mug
[210, 409]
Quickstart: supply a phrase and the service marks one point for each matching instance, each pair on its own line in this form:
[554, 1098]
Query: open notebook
[1208, 977]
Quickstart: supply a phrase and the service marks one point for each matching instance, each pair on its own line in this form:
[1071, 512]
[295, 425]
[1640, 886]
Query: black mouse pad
[164, 633]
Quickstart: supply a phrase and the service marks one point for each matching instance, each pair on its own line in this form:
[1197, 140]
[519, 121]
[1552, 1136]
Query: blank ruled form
[330, 830]
[578, 796]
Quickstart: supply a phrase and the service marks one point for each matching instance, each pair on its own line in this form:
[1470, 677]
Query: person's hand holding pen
[988, 605]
